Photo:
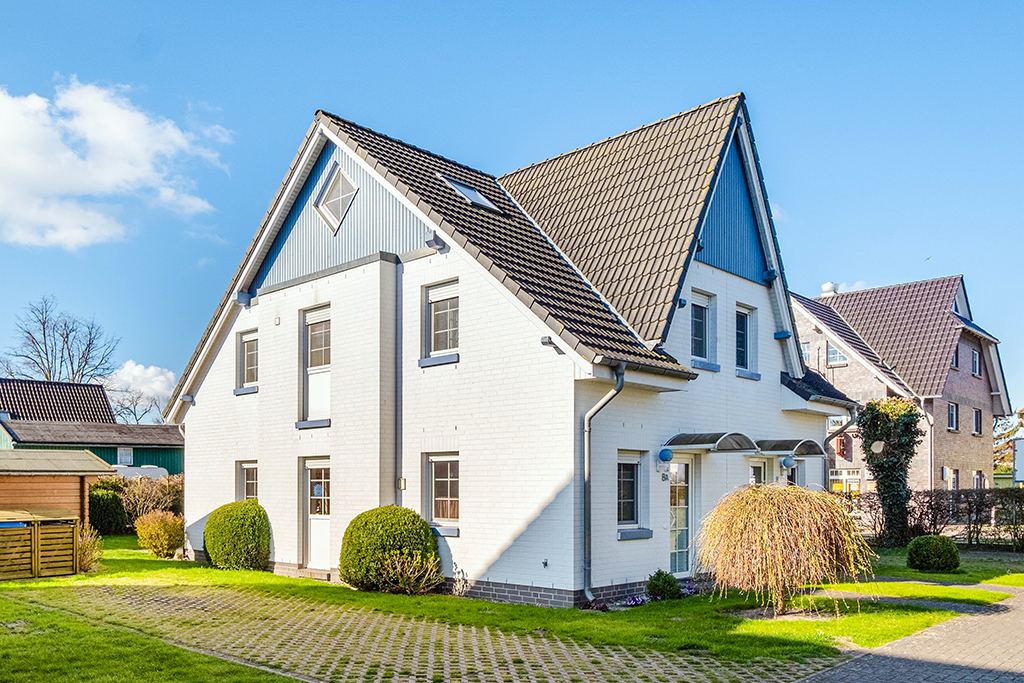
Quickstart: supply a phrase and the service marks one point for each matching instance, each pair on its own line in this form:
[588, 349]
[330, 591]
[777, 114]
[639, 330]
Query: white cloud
[154, 382]
[859, 284]
[779, 215]
[206, 235]
[203, 262]
[64, 160]
[218, 133]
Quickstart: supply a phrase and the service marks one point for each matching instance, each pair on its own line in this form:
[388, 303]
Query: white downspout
[620, 379]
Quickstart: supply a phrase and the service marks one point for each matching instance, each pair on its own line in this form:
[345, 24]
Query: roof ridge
[405, 144]
[50, 381]
[898, 284]
[738, 96]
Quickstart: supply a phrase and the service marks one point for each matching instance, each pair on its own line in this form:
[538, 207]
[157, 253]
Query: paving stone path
[314, 641]
[987, 644]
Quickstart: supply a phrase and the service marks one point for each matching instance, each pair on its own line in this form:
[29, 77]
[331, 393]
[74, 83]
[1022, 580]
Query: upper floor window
[248, 357]
[955, 363]
[335, 197]
[975, 363]
[835, 356]
[443, 318]
[319, 344]
[805, 351]
[701, 327]
[953, 417]
[742, 339]
[318, 364]
[978, 421]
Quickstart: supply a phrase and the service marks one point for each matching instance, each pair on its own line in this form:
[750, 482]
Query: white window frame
[635, 459]
[763, 464]
[805, 351]
[706, 301]
[436, 294]
[955, 361]
[978, 422]
[840, 361]
[311, 317]
[975, 363]
[429, 479]
[243, 469]
[953, 417]
[243, 339]
[126, 456]
[335, 175]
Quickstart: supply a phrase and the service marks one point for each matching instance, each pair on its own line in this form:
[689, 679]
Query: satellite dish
[877, 447]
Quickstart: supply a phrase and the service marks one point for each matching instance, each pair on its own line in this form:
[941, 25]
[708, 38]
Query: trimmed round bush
[106, 512]
[933, 553]
[376, 535]
[663, 586]
[237, 536]
[161, 532]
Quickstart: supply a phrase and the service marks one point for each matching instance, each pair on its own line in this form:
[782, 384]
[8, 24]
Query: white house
[562, 369]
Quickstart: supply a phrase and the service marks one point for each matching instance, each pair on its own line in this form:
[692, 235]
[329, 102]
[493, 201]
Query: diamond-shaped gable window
[335, 197]
[471, 195]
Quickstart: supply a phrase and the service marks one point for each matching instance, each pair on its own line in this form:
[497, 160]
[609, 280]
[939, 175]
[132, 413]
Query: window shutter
[448, 290]
[700, 299]
[318, 315]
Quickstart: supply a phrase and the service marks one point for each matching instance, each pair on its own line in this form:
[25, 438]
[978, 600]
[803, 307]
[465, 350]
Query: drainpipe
[838, 432]
[620, 379]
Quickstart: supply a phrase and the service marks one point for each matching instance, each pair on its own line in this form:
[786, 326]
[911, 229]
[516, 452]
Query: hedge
[237, 536]
[106, 512]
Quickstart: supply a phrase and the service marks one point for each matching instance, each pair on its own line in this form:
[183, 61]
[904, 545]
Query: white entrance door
[680, 505]
[318, 515]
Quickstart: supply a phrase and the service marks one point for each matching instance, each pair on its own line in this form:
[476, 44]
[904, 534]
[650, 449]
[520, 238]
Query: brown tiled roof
[507, 243]
[93, 434]
[625, 210]
[831, 319]
[911, 327]
[27, 399]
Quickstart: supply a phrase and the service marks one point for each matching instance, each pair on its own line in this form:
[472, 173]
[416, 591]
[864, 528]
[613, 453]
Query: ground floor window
[844, 481]
[679, 521]
[444, 488]
[248, 480]
[758, 472]
[320, 491]
[628, 489]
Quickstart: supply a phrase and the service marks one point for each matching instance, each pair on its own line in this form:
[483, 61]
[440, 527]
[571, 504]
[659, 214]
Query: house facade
[561, 369]
[918, 341]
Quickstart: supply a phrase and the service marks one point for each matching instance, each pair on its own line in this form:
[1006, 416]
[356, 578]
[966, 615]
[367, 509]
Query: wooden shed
[47, 480]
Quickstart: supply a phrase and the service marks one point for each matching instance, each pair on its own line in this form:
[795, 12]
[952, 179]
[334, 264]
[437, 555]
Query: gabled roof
[27, 399]
[911, 327]
[830, 319]
[93, 434]
[626, 210]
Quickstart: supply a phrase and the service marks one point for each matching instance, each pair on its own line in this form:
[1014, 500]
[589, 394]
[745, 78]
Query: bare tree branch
[57, 346]
[131, 406]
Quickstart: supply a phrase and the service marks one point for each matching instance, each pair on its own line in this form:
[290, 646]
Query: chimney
[829, 289]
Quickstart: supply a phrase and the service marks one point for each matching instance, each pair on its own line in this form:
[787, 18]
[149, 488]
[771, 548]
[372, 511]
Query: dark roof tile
[27, 399]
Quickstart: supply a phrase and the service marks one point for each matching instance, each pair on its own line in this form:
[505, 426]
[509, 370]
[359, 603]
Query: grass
[921, 591]
[1008, 571]
[696, 624]
[40, 646]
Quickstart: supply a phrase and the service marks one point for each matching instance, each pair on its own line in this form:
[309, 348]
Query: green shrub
[161, 532]
[114, 482]
[412, 573]
[237, 536]
[933, 553]
[377, 534]
[106, 512]
[663, 586]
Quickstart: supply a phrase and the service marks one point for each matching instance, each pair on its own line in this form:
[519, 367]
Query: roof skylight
[470, 194]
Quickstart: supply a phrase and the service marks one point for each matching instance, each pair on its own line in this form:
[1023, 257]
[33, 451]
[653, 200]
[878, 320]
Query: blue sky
[889, 133]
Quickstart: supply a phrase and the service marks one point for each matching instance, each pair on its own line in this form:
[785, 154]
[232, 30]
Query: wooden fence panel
[38, 550]
[16, 553]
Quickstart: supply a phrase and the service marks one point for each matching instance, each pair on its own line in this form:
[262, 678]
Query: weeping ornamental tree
[890, 434]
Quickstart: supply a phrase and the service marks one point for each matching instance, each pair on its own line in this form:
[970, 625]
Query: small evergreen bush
[376, 535]
[114, 482]
[933, 553]
[161, 532]
[106, 512]
[237, 536]
[663, 586]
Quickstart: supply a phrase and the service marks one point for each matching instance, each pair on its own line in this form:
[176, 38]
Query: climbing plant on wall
[890, 434]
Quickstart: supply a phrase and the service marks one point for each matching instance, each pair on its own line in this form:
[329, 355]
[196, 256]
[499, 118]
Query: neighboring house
[404, 329]
[918, 341]
[29, 399]
[62, 415]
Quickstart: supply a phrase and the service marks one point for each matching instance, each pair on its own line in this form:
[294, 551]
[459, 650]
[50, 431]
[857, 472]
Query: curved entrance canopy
[722, 442]
[798, 448]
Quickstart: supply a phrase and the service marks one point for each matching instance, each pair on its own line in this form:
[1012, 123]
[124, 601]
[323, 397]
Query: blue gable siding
[730, 237]
[376, 221]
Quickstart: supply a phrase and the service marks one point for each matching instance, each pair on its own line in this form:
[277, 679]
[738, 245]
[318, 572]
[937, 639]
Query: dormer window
[335, 197]
[471, 195]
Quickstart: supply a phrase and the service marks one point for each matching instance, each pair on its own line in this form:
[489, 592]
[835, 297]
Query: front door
[318, 515]
[680, 501]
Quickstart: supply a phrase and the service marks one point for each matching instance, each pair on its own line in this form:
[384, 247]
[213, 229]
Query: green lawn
[42, 646]
[698, 623]
[897, 589]
[1008, 571]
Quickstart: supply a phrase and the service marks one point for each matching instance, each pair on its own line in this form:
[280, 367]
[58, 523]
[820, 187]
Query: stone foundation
[545, 596]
